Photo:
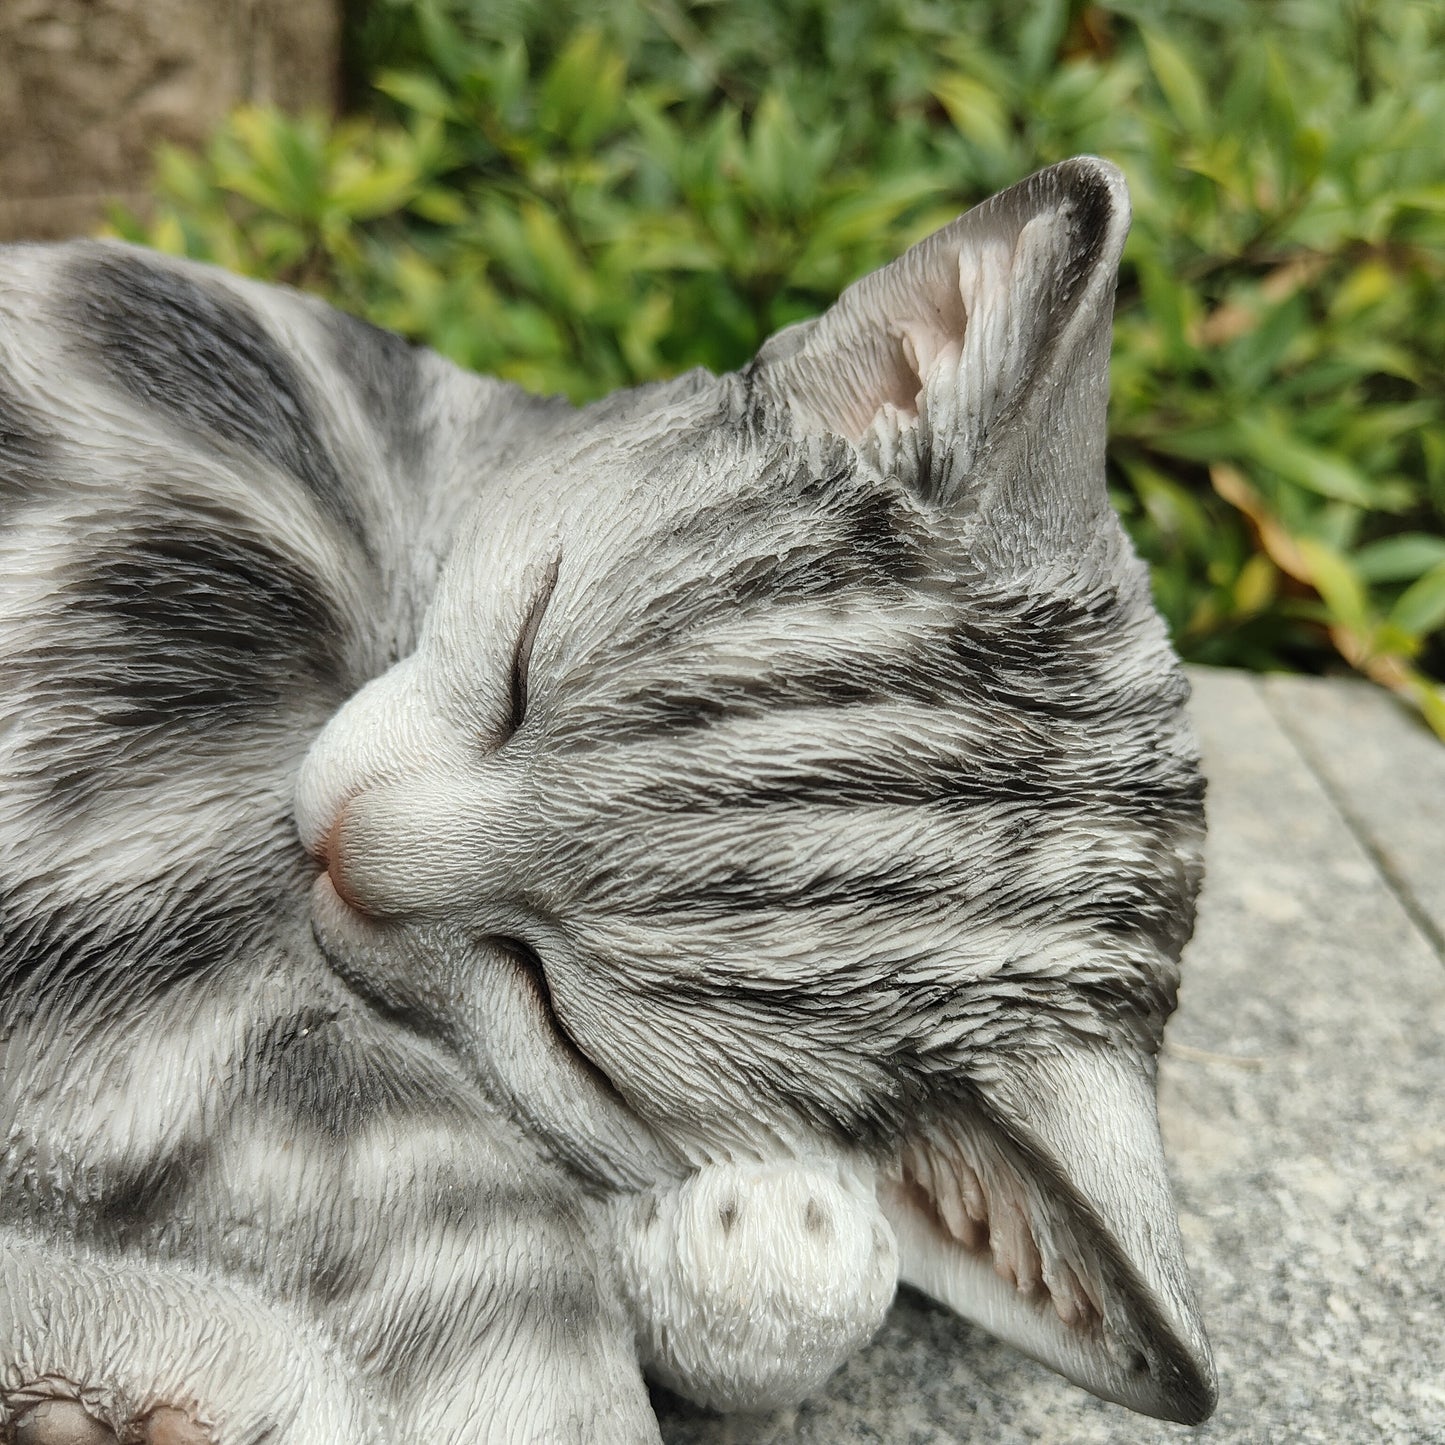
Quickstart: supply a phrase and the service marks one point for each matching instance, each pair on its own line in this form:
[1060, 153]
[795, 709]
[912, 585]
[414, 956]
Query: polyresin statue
[500, 899]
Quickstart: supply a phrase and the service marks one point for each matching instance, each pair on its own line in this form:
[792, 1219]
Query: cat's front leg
[98, 1348]
[531, 1381]
[502, 1330]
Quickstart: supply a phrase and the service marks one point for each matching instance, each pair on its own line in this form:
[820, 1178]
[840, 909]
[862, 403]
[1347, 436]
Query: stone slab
[1301, 1096]
[1385, 770]
[89, 88]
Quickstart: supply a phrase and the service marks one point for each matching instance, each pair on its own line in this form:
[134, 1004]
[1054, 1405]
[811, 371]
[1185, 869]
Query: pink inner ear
[922, 347]
[912, 323]
[900, 385]
[958, 314]
[970, 1193]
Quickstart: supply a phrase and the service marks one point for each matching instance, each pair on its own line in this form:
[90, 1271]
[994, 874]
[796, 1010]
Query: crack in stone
[1394, 881]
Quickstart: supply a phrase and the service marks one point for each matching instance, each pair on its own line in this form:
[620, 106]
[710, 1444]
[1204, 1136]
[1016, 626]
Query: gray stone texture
[88, 88]
[1385, 771]
[1302, 1095]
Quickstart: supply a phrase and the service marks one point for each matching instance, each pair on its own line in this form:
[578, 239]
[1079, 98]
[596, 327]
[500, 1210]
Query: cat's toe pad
[68, 1422]
[59, 1422]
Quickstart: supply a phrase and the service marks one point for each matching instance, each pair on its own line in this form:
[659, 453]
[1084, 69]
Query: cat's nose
[332, 857]
[427, 847]
[379, 734]
[404, 815]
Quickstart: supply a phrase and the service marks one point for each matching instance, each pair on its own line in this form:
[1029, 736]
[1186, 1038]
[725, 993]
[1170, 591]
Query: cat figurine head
[792, 780]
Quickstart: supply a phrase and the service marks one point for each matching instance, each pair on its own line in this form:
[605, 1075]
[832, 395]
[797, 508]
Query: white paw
[751, 1284]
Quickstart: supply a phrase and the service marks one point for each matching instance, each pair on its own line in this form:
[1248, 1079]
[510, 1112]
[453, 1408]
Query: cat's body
[763, 852]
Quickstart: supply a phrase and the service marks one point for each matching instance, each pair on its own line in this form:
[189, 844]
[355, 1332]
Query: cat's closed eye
[526, 642]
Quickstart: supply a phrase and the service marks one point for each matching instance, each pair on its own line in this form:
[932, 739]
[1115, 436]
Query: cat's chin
[349, 942]
[487, 1005]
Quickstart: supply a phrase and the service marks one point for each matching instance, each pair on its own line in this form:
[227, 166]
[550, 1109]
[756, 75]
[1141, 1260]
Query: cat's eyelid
[527, 640]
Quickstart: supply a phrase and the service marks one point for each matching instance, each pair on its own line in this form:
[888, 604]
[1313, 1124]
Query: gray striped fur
[814, 802]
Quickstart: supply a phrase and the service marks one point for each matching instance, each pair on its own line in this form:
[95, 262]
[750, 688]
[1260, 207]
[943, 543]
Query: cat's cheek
[750, 1284]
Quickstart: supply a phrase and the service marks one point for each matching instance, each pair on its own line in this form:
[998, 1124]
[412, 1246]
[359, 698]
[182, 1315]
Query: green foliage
[578, 205]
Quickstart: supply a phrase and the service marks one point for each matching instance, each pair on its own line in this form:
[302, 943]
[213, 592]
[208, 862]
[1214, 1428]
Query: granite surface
[1303, 1105]
[1386, 773]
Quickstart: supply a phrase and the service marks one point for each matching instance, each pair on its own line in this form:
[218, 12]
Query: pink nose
[332, 860]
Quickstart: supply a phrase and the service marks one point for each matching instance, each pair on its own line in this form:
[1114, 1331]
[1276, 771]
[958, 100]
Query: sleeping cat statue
[501, 900]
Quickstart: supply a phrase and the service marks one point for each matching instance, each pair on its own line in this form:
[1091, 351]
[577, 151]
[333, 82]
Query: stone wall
[89, 87]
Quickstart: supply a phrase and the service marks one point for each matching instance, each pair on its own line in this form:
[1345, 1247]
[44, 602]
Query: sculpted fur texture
[498, 901]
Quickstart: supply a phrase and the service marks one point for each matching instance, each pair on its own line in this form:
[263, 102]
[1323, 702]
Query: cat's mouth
[488, 1000]
[530, 967]
[347, 934]
[336, 926]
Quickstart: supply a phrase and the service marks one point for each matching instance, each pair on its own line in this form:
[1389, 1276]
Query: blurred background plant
[580, 197]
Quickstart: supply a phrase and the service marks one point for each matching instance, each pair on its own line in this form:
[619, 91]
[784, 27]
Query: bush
[578, 208]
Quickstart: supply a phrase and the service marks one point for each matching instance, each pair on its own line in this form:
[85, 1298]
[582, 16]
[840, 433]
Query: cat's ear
[978, 362]
[1042, 1211]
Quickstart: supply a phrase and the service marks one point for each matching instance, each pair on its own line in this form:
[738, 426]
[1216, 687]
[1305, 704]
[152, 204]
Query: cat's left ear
[978, 362]
[1042, 1210]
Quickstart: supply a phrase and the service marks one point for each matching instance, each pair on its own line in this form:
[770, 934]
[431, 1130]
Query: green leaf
[1182, 87]
[1423, 198]
[1429, 695]
[975, 110]
[1420, 609]
[581, 95]
[1257, 584]
[421, 93]
[1266, 441]
[1401, 558]
[440, 205]
[445, 45]
[1041, 30]
[1337, 582]
[363, 189]
[1261, 350]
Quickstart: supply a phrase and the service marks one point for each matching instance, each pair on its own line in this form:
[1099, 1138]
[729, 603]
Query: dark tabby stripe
[1139, 902]
[1059, 782]
[206, 363]
[740, 890]
[201, 630]
[27, 453]
[135, 1202]
[385, 373]
[206, 623]
[842, 539]
[324, 1075]
[194, 928]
